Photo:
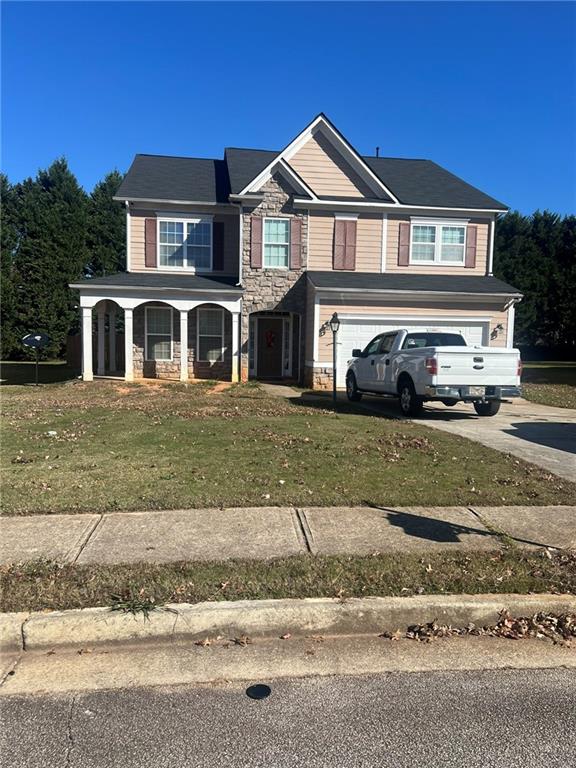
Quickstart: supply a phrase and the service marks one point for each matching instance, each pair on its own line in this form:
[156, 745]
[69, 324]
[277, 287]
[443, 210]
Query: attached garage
[480, 308]
[356, 332]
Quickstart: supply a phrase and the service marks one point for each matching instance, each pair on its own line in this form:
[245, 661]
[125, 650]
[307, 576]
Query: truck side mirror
[356, 353]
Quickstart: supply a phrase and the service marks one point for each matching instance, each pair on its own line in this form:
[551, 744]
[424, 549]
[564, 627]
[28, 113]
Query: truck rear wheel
[410, 403]
[489, 408]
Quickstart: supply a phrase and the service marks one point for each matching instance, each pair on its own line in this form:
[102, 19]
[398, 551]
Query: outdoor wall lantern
[334, 326]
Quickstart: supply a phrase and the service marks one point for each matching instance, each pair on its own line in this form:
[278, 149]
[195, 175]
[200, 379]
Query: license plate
[477, 391]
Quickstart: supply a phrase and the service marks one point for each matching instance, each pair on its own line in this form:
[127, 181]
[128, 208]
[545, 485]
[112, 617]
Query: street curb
[265, 618]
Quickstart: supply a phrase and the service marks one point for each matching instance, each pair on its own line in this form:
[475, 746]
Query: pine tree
[106, 234]
[51, 253]
[8, 248]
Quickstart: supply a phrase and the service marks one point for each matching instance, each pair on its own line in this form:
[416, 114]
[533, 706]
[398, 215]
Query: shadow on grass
[549, 373]
[22, 373]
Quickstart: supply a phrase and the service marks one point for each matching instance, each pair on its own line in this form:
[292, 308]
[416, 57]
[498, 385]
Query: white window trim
[275, 218]
[209, 335]
[437, 224]
[346, 216]
[184, 219]
[146, 334]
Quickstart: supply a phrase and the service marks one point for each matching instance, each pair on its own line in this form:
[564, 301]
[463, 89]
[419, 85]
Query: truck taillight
[432, 365]
[519, 372]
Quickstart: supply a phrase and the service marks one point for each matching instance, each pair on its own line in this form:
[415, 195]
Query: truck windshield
[417, 340]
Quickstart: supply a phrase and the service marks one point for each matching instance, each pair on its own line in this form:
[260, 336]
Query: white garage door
[355, 334]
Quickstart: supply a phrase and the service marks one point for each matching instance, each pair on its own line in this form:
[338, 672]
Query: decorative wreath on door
[270, 338]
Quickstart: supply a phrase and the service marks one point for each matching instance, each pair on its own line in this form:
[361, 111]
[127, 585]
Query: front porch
[164, 332]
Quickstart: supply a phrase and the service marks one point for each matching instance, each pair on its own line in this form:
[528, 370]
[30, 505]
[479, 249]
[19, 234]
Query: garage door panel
[358, 333]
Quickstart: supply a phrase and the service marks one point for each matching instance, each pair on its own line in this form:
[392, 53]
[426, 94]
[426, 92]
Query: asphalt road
[489, 719]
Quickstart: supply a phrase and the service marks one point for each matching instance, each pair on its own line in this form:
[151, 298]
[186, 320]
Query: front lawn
[107, 446]
[550, 383]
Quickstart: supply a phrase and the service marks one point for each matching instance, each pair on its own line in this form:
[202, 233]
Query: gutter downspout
[491, 246]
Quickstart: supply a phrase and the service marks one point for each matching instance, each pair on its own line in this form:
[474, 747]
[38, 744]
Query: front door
[270, 346]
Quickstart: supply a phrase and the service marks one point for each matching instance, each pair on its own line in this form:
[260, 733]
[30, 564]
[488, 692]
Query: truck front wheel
[489, 408]
[410, 403]
[352, 388]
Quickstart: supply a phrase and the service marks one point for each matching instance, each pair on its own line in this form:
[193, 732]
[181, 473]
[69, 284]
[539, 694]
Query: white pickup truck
[433, 365]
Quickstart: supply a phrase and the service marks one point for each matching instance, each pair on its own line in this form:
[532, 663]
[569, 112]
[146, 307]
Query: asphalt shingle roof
[159, 177]
[392, 281]
[423, 182]
[413, 182]
[158, 280]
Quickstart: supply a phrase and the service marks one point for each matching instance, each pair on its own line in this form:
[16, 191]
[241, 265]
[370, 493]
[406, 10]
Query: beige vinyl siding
[496, 315]
[309, 325]
[434, 269]
[327, 173]
[368, 242]
[231, 236]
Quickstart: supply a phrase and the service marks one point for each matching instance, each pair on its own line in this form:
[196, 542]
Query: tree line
[54, 233]
[537, 254]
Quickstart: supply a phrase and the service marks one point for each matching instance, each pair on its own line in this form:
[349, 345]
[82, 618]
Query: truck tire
[450, 402]
[410, 403]
[352, 392]
[489, 408]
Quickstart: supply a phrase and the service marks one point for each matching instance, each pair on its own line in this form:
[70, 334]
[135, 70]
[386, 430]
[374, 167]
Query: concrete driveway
[540, 434]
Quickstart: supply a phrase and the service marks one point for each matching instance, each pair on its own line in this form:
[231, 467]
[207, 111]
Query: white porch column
[183, 345]
[87, 374]
[128, 345]
[101, 313]
[235, 346]
[112, 338]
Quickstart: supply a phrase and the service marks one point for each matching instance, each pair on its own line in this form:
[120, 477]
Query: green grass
[24, 372]
[550, 383]
[110, 446]
[45, 585]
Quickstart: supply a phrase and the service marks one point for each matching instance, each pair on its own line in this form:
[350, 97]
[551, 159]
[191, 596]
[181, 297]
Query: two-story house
[235, 266]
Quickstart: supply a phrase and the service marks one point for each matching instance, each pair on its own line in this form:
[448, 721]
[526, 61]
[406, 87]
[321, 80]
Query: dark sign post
[334, 326]
[36, 341]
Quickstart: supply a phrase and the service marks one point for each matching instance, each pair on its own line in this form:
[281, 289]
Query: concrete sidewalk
[267, 532]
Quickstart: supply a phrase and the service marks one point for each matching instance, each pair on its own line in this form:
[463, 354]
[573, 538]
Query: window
[185, 244]
[276, 243]
[387, 342]
[373, 347]
[419, 340]
[210, 335]
[158, 327]
[438, 243]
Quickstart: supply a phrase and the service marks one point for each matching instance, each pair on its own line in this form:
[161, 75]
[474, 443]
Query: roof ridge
[390, 157]
[253, 149]
[180, 157]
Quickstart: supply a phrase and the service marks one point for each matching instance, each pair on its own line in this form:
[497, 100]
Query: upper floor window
[185, 243]
[438, 243]
[276, 243]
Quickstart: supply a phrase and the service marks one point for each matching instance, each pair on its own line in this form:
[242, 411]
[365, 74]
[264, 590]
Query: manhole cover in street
[258, 691]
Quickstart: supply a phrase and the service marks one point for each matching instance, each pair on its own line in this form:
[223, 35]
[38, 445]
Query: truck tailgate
[485, 366]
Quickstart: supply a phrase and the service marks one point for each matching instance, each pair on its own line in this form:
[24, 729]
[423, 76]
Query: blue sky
[486, 89]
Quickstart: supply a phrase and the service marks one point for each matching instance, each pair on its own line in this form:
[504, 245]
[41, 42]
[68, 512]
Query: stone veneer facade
[170, 369]
[273, 290]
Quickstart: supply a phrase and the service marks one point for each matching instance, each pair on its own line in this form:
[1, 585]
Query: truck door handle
[372, 361]
[387, 361]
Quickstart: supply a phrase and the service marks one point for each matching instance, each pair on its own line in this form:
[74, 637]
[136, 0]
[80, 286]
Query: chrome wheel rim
[349, 386]
[405, 399]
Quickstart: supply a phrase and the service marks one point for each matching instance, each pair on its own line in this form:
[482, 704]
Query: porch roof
[406, 283]
[160, 280]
